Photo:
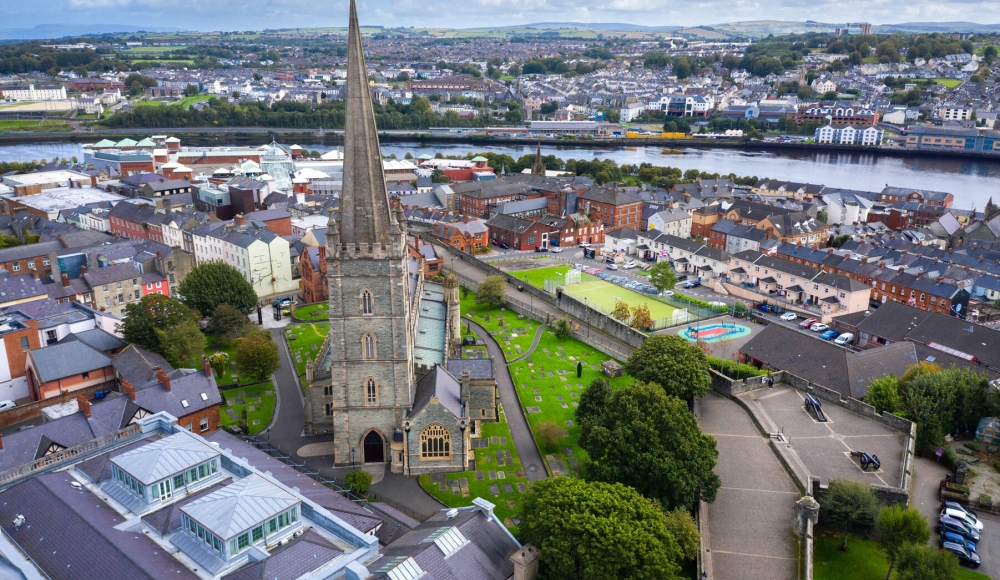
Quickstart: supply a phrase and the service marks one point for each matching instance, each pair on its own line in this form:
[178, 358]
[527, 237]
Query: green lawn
[603, 295]
[949, 83]
[258, 402]
[863, 559]
[320, 310]
[305, 346]
[510, 330]
[34, 126]
[538, 276]
[188, 101]
[213, 345]
[505, 501]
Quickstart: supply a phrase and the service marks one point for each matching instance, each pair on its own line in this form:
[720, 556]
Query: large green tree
[673, 363]
[256, 356]
[849, 507]
[212, 283]
[649, 440]
[883, 394]
[597, 531]
[492, 291]
[181, 343]
[593, 402]
[898, 526]
[662, 276]
[153, 312]
[922, 562]
[228, 323]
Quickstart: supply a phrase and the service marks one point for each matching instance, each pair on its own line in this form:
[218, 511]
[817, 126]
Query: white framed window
[371, 392]
[368, 346]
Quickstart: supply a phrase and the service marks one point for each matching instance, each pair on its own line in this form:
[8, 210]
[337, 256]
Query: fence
[335, 484]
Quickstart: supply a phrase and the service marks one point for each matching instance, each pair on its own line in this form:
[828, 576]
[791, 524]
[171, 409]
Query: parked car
[583, 245]
[504, 245]
[788, 316]
[953, 537]
[693, 283]
[963, 517]
[844, 339]
[829, 334]
[611, 267]
[541, 249]
[965, 557]
[8, 404]
[819, 327]
[957, 506]
[946, 524]
[556, 250]
[808, 322]
[610, 259]
[682, 278]
[667, 293]
[629, 265]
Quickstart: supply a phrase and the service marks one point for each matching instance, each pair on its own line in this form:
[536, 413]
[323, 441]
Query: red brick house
[421, 250]
[615, 208]
[132, 220]
[467, 235]
[480, 198]
[278, 221]
[519, 234]
[66, 367]
[312, 272]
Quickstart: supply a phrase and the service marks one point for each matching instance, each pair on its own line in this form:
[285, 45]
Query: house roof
[240, 506]
[137, 365]
[190, 391]
[166, 457]
[66, 359]
[438, 383]
[97, 338]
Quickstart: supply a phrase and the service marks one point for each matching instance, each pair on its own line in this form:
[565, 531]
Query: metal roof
[166, 457]
[240, 506]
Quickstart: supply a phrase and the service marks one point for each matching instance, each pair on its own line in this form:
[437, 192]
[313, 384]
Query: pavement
[531, 459]
[752, 519]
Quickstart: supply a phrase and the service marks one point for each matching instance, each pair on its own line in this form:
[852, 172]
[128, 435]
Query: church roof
[438, 383]
[364, 203]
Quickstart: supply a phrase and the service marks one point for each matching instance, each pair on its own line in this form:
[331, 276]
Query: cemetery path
[534, 345]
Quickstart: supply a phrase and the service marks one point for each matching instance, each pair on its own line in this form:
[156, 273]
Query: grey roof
[190, 392]
[20, 287]
[438, 383]
[168, 518]
[267, 214]
[166, 457]
[66, 359]
[71, 536]
[609, 195]
[478, 368]
[509, 223]
[111, 274]
[29, 251]
[98, 339]
[293, 560]
[364, 203]
[240, 506]
[136, 364]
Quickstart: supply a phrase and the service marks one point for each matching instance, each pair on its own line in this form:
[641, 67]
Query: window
[119, 285]
[24, 344]
[328, 391]
[272, 525]
[258, 533]
[105, 287]
[368, 346]
[243, 541]
[179, 481]
[203, 423]
[85, 376]
[150, 286]
[87, 296]
[45, 261]
[136, 294]
[31, 264]
[366, 302]
[17, 266]
[328, 409]
[435, 442]
[371, 393]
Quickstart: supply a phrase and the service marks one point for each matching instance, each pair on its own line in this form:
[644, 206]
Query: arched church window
[371, 392]
[366, 302]
[435, 442]
[328, 409]
[368, 346]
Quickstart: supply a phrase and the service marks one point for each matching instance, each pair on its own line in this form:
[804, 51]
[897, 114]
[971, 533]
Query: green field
[183, 103]
[312, 312]
[258, 402]
[603, 295]
[538, 276]
[949, 83]
[306, 344]
[513, 332]
[24, 125]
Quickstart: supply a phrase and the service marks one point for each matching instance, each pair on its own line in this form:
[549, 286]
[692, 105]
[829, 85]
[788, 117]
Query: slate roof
[66, 359]
[111, 274]
[135, 364]
[29, 251]
[509, 223]
[190, 391]
[17, 288]
[293, 560]
[239, 506]
[478, 368]
[438, 383]
[609, 195]
[96, 338]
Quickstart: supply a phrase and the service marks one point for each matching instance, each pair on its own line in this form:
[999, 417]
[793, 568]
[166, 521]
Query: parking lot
[825, 447]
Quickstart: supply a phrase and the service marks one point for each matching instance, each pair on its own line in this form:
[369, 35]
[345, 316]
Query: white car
[844, 339]
[583, 245]
[964, 517]
[667, 293]
[819, 327]
[788, 316]
[7, 405]
[629, 265]
[555, 250]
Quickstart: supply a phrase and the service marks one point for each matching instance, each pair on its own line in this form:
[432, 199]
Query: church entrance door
[374, 448]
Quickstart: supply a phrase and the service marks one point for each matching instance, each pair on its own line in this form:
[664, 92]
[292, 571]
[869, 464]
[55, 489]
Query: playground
[602, 296]
[714, 332]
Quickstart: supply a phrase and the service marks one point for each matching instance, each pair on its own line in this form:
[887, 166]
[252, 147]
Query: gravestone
[480, 476]
[495, 490]
[533, 409]
[508, 488]
[521, 487]
[569, 423]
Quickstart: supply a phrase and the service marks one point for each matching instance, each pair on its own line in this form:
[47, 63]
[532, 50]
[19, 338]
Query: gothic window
[328, 409]
[371, 392]
[368, 346]
[366, 302]
[328, 391]
[435, 442]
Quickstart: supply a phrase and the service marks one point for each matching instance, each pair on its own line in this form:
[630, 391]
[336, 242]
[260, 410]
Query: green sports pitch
[603, 295]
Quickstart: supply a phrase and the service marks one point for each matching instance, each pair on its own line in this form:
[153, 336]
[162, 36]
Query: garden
[312, 312]
[256, 401]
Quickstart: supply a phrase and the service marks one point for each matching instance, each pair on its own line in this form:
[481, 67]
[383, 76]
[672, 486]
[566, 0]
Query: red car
[808, 322]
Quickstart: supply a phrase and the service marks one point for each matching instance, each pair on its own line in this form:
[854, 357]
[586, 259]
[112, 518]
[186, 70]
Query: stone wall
[730, 387]
[598, 321]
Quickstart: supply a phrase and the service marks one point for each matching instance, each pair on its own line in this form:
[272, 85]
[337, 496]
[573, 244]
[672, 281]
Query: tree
[922, 562]
[359, 480]
[641, 317]
[883, 394]
[212, 283]
[219, 360]
[562, 328]
[228, 323]
[850, 507]
[622, 312]
[551, 435]
[150, 313]
[403, 76]
[594, 531]
[822, 216]
[439, 176]
[191, 90]
[181, 343]
[648, 440]
[990, 54]
[257, 356]
[593, 401]
[685, 531]
[673, 363]
[492, 291]
[662, 276]
[897, 527]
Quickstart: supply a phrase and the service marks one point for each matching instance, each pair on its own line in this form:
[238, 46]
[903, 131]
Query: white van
[844, 339]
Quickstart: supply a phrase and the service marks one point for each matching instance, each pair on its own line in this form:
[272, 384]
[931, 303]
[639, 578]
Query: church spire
[539, 166]
[365, 217]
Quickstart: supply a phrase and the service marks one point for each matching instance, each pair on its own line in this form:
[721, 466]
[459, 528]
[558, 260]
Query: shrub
[997, 465]
[733, 369]
[562, 328]
[971, 445]
[985, 499]
[551, 435]
[360, 481]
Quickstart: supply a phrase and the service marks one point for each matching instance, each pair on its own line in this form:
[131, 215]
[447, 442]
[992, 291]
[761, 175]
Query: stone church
[383, 382]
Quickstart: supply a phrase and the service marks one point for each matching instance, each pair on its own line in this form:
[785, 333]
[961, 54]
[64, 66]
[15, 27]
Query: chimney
[83, 404]
[162, 377]
[128, 389]
[466, 379]
[920, 275]
[34, 274]
[83, 269]
[239, 219]
[525, 562]
[65, 280]
[205, 366]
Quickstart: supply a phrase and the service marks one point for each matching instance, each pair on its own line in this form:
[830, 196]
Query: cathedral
[383, 382]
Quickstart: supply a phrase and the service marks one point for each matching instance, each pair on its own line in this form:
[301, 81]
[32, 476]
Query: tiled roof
[29, 251]
[438, 383]
[136, 364]
[97, 338]
[66, 359]
[295, 559]
[111, 274]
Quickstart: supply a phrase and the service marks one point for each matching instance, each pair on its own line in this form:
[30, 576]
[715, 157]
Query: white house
[262, 256]
[32, 93]
[867, 137]
[676, 222]
[821, 87]
[631, 111]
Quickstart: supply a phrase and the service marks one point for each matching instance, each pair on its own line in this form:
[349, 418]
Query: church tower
[538, 168]
[361, 384]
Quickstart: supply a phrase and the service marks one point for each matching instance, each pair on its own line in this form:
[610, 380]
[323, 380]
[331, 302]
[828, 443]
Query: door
[374, 448]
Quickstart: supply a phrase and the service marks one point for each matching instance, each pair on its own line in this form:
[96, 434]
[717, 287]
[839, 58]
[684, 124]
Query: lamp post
[406, 443]
[352, 457]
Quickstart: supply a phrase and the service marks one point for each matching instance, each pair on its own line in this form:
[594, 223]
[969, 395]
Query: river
[972, 181]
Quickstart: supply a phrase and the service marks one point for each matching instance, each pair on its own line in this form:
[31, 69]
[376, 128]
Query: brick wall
[194, 420]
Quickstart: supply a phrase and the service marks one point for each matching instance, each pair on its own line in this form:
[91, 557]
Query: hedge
[733, 369]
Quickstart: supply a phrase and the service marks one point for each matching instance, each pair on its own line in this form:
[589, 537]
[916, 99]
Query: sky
[260, 14]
